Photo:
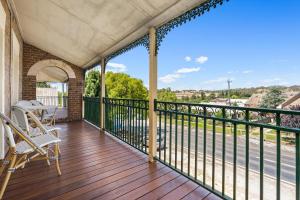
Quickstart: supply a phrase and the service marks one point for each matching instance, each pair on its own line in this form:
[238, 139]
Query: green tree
[212, 96]
[166, 94]
[272, 99]
[92, 84]
[42, 85]
[120, 85]
[203, 96]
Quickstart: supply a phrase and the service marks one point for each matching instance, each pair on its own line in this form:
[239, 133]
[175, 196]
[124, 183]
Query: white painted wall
[15, 73]
[2, 72]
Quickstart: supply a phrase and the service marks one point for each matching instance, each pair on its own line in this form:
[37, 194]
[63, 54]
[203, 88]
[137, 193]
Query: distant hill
[235, 92]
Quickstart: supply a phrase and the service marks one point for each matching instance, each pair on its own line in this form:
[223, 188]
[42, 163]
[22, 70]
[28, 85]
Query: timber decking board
[98, 166]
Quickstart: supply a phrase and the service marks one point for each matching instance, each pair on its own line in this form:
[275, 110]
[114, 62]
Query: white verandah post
[152, 94]
[102, 95]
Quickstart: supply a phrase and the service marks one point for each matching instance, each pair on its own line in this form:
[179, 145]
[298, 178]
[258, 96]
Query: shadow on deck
[98, 166]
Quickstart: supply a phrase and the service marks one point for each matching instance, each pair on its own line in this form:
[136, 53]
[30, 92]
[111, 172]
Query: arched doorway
[52, 84]
[52, 89]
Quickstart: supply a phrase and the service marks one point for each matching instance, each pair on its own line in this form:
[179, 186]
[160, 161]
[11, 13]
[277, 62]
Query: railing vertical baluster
[213, 153]
[170, 140]
[146, 118]
[278, 143]
[247, 157]
[135, 124]
[124, 120]
[189, 139]
[119, 120]
[127, 121]
[116, 118]
[165, 132]
[142, 128]
[139, 125]
[107, 110]
[182, 141]
[159, 149]
[196, 147]
[224, 150]
[130, 125]
[110, 115]
[204, 144]
[113, 117]
[234, 158]
[176, 134]
[297, 165]
[261, 159]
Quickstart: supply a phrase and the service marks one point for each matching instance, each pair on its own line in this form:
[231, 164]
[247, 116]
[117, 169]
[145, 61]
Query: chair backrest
[19, 117]
[24, 103]
[24, 116]
[10, 127]
[36, 103]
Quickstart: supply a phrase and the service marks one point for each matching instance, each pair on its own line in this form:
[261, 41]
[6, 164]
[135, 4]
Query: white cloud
[202, 59]
[116, 67]
[187, 58]
[218, 80]
[188, 70]
[271, 80]
[247, 71]
[169, 78]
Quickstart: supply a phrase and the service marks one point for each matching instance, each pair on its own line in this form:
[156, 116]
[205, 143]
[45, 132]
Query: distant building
[255, 100]
[185, 93]
[292, 100]
[225, 102]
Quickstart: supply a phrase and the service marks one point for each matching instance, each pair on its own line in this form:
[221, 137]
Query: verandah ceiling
[80, 31]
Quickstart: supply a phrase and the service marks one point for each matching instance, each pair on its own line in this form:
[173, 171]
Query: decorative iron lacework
[163, 30]
[143, 41]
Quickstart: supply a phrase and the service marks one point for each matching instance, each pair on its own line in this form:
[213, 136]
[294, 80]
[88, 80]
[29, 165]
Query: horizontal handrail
[264, 110]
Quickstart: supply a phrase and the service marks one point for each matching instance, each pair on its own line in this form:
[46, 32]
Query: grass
[269, 134]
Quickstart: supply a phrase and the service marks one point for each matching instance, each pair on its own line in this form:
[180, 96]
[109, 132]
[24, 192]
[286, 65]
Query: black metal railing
[235, 152]
[60, 101]
[211, 145]
[127, 119]
[91, 110]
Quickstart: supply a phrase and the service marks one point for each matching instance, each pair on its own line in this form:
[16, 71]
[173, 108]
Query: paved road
[287, 157]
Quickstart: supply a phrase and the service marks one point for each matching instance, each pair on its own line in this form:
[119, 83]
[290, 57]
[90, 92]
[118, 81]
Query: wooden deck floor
[97, 166]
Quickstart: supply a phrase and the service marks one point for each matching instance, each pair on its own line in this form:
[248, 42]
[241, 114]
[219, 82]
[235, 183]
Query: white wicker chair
[48, 117]
[25, 150]
[30, 124]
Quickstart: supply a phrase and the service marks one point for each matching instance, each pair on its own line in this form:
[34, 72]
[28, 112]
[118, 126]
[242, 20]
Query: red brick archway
[35, 59]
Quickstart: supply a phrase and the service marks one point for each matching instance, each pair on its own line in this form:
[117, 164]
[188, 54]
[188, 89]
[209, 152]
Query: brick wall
[32, 55]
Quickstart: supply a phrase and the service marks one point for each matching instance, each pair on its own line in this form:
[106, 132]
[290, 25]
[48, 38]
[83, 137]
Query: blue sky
[253, 43]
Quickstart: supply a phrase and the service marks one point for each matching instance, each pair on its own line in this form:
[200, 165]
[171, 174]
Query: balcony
[114, 148]
[99, 166]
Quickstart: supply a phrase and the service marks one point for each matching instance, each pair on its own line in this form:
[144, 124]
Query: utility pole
[229, 96]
